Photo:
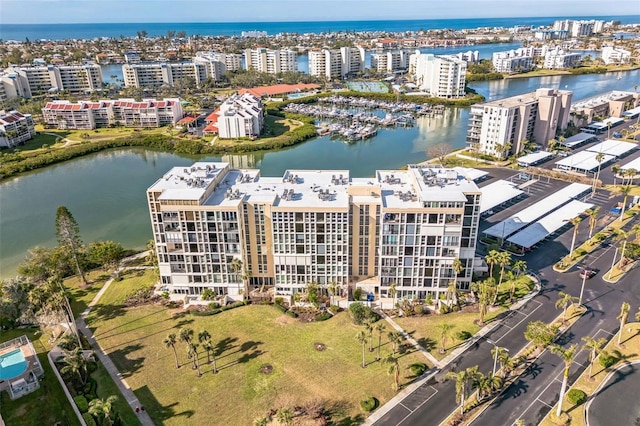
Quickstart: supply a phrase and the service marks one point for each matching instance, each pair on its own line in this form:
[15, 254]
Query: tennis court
[368, 86]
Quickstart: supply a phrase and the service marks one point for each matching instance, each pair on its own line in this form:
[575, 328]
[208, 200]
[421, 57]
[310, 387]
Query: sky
[116, 11]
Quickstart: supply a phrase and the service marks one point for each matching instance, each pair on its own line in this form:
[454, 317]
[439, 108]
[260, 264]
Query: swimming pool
[12, 364]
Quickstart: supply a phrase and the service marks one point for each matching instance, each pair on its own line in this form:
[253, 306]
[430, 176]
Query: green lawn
[46, 406]
[105, 388]
[37, 142]
[81, 296]
[246, 338]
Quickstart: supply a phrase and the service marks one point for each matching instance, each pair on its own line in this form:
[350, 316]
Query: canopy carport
[497, 193]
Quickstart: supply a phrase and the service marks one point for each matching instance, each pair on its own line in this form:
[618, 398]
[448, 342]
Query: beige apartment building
[402, 227]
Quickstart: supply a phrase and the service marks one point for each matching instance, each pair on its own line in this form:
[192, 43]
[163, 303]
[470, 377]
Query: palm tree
[575, 222]
[204, 336]
[462, 379]
[75, 363]
[599, 158]
[332, 288]
[507, 363]
[368, 325]
[632, 175]
[492, 258]
[170, 342]
[394, 368]
[103, 408]
[395, 337]
[625, 190]
[362, 338]
[457, 267]
[615, 169]
[519, 266]
[564, 301]
[445, 329]
[380, 328]
[624, 315]
[486, 385]
[485, 292]
[567, 355]
[186, 335]
[593, 346]
[392, 292]
[193, 350]
[593, 218]
[451, 294]
[504, 259]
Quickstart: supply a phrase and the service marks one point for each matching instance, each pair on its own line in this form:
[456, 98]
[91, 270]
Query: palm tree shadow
[127, 366]
[158, 412]
[427, 343]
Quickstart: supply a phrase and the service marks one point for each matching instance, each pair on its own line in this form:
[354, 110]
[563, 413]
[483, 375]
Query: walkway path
[122, 384]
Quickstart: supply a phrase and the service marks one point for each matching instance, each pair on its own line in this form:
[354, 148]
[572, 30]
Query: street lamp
[495, 354]
[584, 278]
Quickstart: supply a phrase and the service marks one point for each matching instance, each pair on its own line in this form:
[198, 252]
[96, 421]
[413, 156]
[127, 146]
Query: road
[533, 395]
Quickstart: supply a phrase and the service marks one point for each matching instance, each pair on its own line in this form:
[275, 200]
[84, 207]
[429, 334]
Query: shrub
[88, 419]
[607, 360]
[580, 252]
[81, 403]
[576, 396]
[291, 314]
[599, 236]
[335, 309]
[444, 309]
[357, 294]
[213, 305]
[418, 368]
[359, 312]
[418, 310]
[323, 316]
[280, 308]
[198, 313]
[208, 294]
[279, 300]
[369, 404]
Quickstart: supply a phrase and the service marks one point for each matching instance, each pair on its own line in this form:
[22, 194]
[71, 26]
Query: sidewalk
[122, 384]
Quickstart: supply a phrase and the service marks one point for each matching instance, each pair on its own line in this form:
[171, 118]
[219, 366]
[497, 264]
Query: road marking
[519, 322]
[539, 400]
[435, 391]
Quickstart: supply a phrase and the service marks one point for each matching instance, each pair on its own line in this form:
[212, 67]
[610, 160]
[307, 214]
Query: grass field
[274, 127]
[246, 339]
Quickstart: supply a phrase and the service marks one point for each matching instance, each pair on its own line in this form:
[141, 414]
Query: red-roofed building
[279, 89]
[15, 128]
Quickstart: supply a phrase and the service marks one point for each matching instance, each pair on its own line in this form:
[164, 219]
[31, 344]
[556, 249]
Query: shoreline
[551, 73]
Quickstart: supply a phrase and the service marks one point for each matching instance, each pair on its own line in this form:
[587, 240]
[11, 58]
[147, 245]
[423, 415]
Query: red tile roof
[278, 89]
[187, 119]
[211, 128]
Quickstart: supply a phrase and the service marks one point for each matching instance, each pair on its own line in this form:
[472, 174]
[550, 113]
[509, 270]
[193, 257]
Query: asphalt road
[533, 395]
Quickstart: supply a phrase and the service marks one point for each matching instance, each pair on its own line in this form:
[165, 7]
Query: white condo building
[615, 55]
[161, 74]
[240, 116]
[29, 81]
[535, 117]
[15, 128]
[231, 61]
[402, 227]
[336, 63]
[440, 76]
[557, 58]
[271, 61]
[510, 61]
[390, 61]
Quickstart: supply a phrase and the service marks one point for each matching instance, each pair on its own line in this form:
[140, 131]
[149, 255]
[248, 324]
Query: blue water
[12, 364]
[85, 31]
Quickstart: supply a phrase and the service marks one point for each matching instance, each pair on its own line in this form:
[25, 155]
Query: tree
[439, 151]
[486, 385]
[368, 324]
[186, 335]
[457, 267]
[485, 294]
[68, 234]
[103, 409]
[106, 253]
[575, 222]
[236, 268]
[193, 351]
[593, 218]
[624, 190]
[615, 169]
[566, 355]
[445, 330]
[75, 364]
[564, 301]
[170, 342]
[333, 289]
[599, 158]
[392, 293]
[362, 338]
[380, 328]
[519, 266]
[462, 378]
[492, 258]
[624, 315]
[395, 337]
[394, 368]
[540, 334]
[504, 259]
[594, 347]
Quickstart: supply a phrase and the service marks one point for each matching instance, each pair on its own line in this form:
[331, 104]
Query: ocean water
[87, 31]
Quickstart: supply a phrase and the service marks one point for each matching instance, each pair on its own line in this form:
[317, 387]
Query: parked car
[587, 273]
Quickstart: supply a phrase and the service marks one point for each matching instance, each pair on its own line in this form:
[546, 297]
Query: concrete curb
[621, 276]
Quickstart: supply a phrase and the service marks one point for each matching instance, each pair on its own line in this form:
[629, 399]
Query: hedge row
[218, 310]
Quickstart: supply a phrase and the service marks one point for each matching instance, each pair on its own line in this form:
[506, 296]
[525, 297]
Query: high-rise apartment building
[440, 76]
[515, 60]
[271, 61]
[29, 81]
[390, 61]
[159, 74]
[336, 64]
[213, 225]
[534, 117]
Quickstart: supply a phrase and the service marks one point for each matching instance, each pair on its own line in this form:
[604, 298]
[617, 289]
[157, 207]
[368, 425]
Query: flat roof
[599, 99]
[583, 160]
[578, 139]
[534, 157]
[634, 164]
[613, 147]
[549, 224]
[497, 193]
[470, 173]
[535, 211]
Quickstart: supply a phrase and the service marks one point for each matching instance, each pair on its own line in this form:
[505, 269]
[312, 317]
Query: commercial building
[511, 61]
[533, 117]
[240, 116]
[271, 61]
[15, 128]
[390, 61]
[336, 64]
[212, 225]
[29, 81]
[615, 55]
[440, 76]
[123, 112]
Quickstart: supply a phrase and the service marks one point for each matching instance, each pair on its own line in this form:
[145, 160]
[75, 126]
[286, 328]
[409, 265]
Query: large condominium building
[159, 74]
[15, 128]
[125, 112]
[29, 81]
[271, 61]
[336, 63]
[240, 116]
[399, 227]
[535, 117]
[390, 61]
[582, 28]
[604, 105]
[440, 76]
[559, 59]
[615, 55]
[510, 61]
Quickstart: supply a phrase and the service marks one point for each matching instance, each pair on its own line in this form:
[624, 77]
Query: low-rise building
[511, 61]
[558, 59]
[610, 104]
[15, 128]
[615, 55]
[240, 116]
[87, 115]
